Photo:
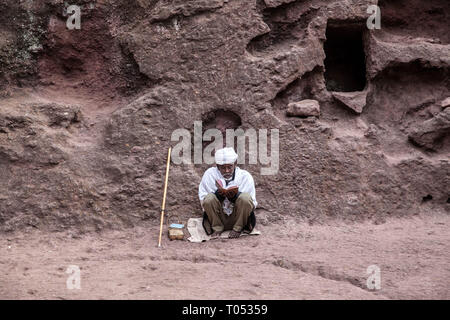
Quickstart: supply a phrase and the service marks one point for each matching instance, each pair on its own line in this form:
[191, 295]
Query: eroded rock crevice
[308, 86]
[427, 20]
[410, 98]
[288, 27]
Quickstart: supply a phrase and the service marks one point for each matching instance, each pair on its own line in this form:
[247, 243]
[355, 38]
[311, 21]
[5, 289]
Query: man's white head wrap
[225, 156]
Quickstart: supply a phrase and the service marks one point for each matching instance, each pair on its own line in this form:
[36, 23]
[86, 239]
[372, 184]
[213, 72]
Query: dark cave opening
[345, 62]
[427, 198]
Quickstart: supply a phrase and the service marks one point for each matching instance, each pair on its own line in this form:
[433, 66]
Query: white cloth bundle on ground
[198, 233]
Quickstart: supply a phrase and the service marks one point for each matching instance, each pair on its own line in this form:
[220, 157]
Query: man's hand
[220, 188]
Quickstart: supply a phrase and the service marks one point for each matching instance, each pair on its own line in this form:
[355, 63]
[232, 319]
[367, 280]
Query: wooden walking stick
[163, 207]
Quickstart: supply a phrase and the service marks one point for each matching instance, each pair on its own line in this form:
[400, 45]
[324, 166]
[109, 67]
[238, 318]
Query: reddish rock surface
[86, 118]
[86, 115]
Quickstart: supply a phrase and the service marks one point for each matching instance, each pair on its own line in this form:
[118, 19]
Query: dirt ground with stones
[87, 117]
[289, 260]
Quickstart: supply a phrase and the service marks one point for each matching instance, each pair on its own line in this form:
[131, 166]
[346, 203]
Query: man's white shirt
[242, 178]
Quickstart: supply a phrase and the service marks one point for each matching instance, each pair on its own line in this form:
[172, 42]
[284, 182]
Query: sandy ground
[289, 260]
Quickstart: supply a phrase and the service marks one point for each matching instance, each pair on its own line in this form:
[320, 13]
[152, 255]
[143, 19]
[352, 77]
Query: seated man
[227, 196]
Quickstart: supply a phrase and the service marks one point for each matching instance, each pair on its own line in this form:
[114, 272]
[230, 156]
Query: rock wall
[86, 116]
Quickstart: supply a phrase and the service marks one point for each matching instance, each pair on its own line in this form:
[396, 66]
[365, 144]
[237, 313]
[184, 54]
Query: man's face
[226, 170]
